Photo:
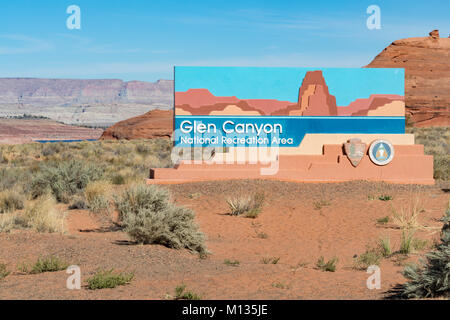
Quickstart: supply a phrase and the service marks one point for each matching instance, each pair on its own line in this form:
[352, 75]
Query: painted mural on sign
[260, 104]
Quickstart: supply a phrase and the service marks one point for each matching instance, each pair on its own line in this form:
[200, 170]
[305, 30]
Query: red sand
[296, 233]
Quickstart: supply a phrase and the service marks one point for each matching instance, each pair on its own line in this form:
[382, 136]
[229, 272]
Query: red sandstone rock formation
[314, 98]
[202, 102]
[153, 124]
[427, 66]
[360, 107]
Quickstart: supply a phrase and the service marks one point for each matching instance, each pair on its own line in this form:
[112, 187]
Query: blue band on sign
[282, 131]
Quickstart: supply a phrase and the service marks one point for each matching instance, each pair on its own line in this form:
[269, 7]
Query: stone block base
[409, 166]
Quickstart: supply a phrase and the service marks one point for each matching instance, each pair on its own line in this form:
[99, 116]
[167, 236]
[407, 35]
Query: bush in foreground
[96, 194]
[64, 179]
[108, 279]
[149, 217]
[432, 278]
[44, 264]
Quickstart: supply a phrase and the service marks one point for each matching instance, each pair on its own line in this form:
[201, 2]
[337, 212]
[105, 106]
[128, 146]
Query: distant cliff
[93, 102]
[427, 70]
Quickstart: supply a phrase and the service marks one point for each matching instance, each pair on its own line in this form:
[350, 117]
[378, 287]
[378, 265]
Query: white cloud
[22, 44]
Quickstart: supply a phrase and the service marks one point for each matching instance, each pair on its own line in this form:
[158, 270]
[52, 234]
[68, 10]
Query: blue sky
[143, 40]
[346, 84]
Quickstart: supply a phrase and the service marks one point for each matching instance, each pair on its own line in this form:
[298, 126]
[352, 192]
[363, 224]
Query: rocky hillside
[88, 102]
[153, 124]
[427, 66]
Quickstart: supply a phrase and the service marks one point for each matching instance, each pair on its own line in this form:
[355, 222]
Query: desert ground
[16, 131]
[273, 254]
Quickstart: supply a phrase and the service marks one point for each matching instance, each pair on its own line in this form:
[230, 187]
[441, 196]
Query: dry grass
[8, 222]
[407, 217]
[42, 216]
[97, 195]
[249, 206]
[437, 143]
[11, 201]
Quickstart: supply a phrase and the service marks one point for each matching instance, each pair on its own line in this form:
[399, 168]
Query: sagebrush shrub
[96, 196]
[149, 217]
[11, 201]
[64, 179]
[139, 197]
[432, 278]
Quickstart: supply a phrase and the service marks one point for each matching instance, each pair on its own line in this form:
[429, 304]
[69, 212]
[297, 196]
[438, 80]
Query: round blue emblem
[381, 152]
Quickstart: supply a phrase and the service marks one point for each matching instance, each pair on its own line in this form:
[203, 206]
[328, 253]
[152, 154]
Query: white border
[388, 160]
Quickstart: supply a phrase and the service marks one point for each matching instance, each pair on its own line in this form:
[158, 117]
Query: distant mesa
[314, 99]
[427, 76]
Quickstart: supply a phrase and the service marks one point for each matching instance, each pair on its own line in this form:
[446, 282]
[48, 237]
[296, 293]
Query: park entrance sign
[299, 124]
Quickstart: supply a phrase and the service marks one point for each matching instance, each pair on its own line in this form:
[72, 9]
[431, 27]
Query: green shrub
[11, 201]
[372, 256]
[140, 197]
[10, 178]
[143, 149]
[44, 264]
[385, 197]
[3, 271]
[406, 241]
[182, 294]
[329, 266]
[233, 263]
[383, 220]
[435, 141]
[64, 179]
[108, 279]
[385, 247]
[96, 196]
[118, 179]
[150, 218]
[432, 277]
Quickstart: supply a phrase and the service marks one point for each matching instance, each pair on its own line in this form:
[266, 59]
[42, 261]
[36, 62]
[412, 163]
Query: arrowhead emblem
[355, 150]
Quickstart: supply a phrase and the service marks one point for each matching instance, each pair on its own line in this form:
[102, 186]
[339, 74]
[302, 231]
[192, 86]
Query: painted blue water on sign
[288, 131]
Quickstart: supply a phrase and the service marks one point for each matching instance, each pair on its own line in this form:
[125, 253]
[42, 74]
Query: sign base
[409, 166]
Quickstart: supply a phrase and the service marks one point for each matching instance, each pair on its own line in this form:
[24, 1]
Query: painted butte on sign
[319, 124]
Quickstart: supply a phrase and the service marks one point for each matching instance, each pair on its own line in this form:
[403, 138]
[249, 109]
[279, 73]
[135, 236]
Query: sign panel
[240, 106]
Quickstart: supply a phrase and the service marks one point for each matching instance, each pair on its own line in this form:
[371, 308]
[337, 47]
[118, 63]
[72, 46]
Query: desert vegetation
[437, 143]
[431, 278]
[247, 205]
[149, 216]
[35, 177]
[43, 264]
[103, 279]
[182, 293]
